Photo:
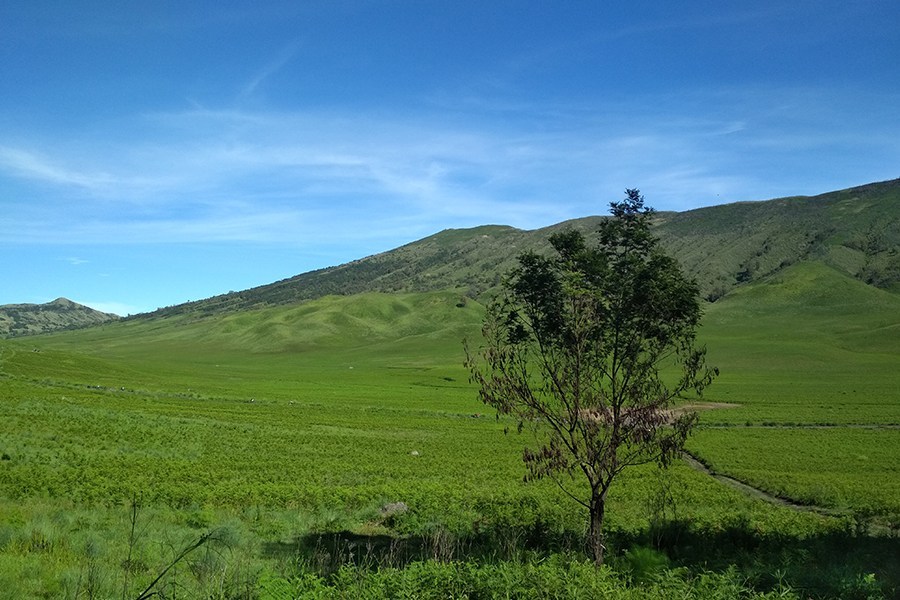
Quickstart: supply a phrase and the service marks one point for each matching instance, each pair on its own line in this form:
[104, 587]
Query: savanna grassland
[335, 448]
[288, 430]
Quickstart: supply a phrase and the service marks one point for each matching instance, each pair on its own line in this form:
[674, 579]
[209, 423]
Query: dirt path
[876, 527]
[755, 492]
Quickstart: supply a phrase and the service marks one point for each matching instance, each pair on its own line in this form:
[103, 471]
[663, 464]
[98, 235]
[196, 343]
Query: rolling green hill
[800, 307]
[808, 344]
[297, 410]
[29, 319]
[856, 231]
[799, 291]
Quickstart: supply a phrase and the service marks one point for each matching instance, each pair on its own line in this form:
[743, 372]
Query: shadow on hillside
[836, 565]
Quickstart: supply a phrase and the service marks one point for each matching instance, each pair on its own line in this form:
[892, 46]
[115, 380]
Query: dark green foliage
[575, 351]
[561, 577]
[856, 231]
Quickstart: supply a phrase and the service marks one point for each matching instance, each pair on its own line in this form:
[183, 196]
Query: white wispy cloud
[305, 177]
[30, 165]
[283, 57]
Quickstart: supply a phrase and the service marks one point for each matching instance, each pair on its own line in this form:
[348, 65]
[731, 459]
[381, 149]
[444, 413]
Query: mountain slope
[809, 343]
[856, 231]
[27, 319]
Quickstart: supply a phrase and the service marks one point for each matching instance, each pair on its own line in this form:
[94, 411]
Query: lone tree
[590, 349]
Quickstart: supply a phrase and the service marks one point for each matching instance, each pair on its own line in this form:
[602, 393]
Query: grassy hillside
[812, 337]
[30, 319]
[857, 231]
[808, 345]
[809, 356]
[819, 342]
[291, 425]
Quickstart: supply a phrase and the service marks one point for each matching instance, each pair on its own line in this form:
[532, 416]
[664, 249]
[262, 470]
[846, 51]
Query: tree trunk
[595, 535]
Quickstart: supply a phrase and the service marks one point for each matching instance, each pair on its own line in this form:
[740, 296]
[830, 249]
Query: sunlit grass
[292, 419]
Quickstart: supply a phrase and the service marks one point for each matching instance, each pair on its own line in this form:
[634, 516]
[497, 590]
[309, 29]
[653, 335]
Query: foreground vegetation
[336, 449]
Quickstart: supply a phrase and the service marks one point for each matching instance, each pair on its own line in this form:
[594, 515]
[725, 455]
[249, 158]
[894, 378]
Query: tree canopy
[590, 349]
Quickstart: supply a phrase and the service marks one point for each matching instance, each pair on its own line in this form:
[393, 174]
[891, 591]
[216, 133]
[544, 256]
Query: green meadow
[286, 432]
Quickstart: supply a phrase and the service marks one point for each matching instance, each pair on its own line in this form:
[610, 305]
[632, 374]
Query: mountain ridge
[31, 319]
[856, 230]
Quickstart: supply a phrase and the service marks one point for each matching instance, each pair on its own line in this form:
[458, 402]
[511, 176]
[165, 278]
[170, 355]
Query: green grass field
[287, 423]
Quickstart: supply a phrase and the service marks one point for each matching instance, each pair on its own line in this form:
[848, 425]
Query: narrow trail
[756, 492]
[875, 527]
[878, 526]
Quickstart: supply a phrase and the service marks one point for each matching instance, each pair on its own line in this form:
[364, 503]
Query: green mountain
[856, 231]
[28, 319]
[345, 388]
[797, 289]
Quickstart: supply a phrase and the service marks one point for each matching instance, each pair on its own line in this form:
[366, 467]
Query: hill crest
[62, 313]
[856, 231]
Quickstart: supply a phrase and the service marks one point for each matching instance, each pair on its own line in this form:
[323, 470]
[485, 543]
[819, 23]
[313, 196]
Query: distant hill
[28, 319]
[856, 231]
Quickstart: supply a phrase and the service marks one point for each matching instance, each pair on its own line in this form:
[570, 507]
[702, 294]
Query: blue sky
[153, 153]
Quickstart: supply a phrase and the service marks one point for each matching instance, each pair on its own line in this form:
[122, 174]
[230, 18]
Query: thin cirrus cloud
[282, 59]
[189, 192]
[77, 173]
[277, 166]
[285, 177]
[33, 166]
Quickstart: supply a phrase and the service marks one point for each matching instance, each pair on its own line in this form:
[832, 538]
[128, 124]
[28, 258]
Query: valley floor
[278, 439]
